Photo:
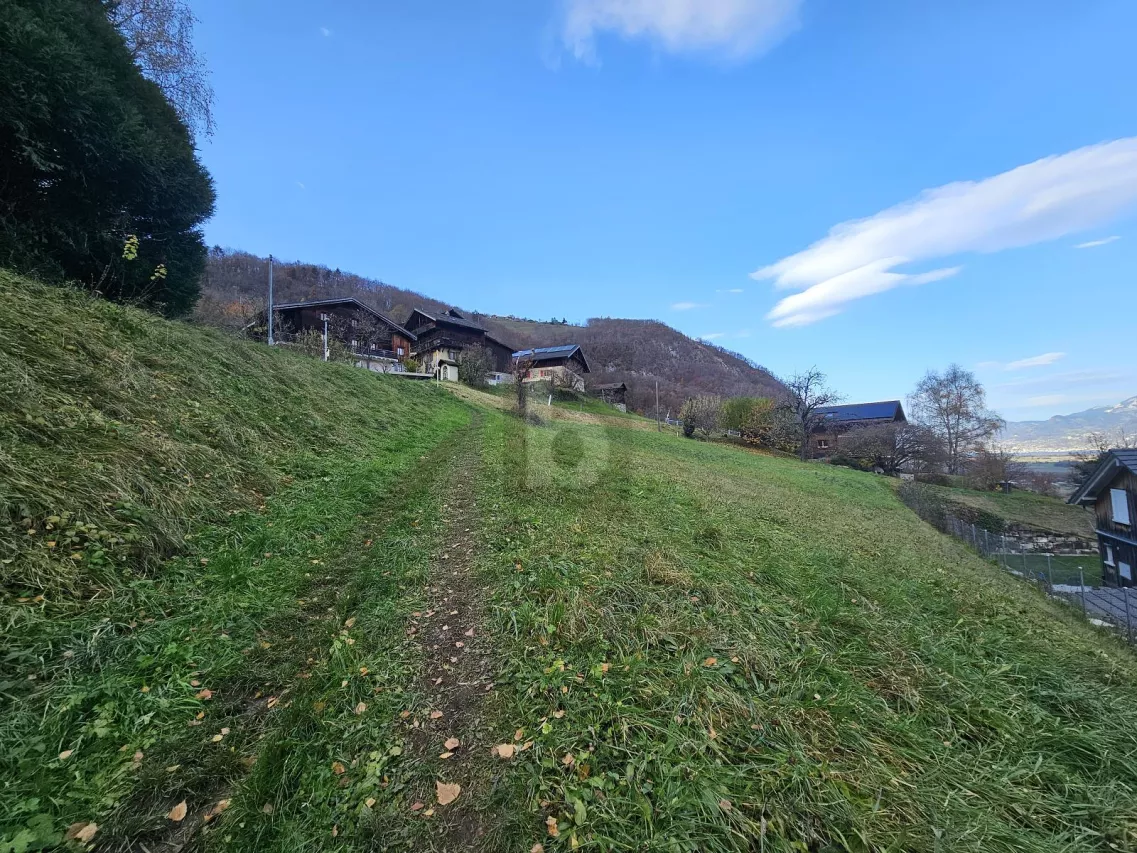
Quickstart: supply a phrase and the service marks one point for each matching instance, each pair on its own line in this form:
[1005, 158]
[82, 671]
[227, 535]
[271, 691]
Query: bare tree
[954, 405]
[700, 413]
[988, 467]
[474, 366]
[159, 35]
[892, 447]
[521, 367]
[805, 393]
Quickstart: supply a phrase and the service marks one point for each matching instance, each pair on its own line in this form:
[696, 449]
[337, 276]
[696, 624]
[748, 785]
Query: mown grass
[181, 512]
[1048, 515]
[743, 653]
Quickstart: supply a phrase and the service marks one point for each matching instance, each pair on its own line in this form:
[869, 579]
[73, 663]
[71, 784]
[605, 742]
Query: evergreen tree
[91, 155]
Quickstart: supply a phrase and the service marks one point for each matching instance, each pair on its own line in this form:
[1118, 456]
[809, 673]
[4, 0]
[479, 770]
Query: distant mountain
[636, 352]
[1071, 432]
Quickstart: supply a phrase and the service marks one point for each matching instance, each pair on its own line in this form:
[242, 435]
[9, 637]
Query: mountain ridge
[1072, 432]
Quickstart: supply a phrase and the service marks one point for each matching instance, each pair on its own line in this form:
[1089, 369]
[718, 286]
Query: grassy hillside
[1049, 515]
[667, 644]
[173, 504]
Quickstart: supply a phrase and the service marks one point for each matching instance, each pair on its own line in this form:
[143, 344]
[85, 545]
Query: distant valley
[1066, 433]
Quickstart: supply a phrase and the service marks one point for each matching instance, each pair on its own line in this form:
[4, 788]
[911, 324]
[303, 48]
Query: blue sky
[860, 186]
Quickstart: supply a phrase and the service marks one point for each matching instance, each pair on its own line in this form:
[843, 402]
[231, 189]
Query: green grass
[752, 654]
[180, 511]
[1057, 569]
[739, 652]
[1049, 515]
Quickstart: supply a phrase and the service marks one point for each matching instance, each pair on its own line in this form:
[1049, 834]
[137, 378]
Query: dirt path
[458, 668]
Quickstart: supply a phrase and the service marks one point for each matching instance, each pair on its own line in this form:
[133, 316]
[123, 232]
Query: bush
[934, 479]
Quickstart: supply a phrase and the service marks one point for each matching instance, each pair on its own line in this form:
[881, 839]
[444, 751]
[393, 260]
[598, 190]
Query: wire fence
[1073, 578]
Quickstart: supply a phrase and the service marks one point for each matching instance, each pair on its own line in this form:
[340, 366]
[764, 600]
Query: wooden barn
[361, 327]
[561, 365]
[1111, 491]
[612, 393]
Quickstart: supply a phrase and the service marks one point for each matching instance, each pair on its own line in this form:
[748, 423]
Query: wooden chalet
[1111, 491]
[441, 337]
[563, 365]
[366, 331]
[836, 420]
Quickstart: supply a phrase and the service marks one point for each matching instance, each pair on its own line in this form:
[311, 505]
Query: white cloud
[735, 29]
[1043, 200]
[1093, 244]
[686, 306]
[731, 290]
[299, 184]
[713, 336]
[1036, 361]
[325, 32]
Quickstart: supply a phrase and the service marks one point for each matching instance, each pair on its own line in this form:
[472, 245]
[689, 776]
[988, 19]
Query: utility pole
[270, 340]
[325, 337]
[658, 425]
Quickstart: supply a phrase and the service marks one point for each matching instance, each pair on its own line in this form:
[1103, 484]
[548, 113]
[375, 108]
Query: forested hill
[637, 352]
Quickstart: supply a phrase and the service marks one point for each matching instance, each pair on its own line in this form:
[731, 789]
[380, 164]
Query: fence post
[1026, 572]
[987, 542]
[1082, 586]
[1049, 575]
[1004, 552]
[1128, 620]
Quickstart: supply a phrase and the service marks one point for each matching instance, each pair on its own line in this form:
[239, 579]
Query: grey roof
[346, 300]
[565, 351]
[451, 320]
[1110, 466]
[883, 411]
[610, 386]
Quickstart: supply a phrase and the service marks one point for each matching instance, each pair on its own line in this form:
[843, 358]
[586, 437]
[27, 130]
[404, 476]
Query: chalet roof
[347, 300]
[451, 318]
[883, 411]
[1114, 462]
[610, 386]
[564, 351]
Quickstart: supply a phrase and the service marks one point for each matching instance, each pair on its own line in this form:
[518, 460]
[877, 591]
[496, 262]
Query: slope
[181, 517]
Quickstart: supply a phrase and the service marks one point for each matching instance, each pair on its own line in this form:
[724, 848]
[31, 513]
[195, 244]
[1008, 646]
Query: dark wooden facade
[615, 394]
[361, 327]
[835, 421]
[1111, 493]
[452, 332]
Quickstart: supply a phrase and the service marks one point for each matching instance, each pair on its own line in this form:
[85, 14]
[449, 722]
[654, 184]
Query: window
[822, 444]
[1109, 555]
[354, 343]
[354, 322]
[1125, 571]
[401, 351]
[1120, 506]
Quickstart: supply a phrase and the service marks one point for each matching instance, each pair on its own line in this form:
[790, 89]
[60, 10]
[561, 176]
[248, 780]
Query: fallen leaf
[195, 683]
[604, 667]
[404, 714]
[217, 809]
[145, 688]
[63, 756]
[204, 695]
[551, 825]
[338, 768]
[710, 661]
[218, 738]
[267, 808]
[725, 805]
[360, 708]
[224, 731]
[446, 755]
[537, 848]
[470, 633]
[369, 802]
[350, 622]
[568, 760]
[436, 715]
[178, 812]
[446, 793]
[82, 831]
[416, 807]
[558, 714]
[505, 750]
[335, 830]
[452, 743]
